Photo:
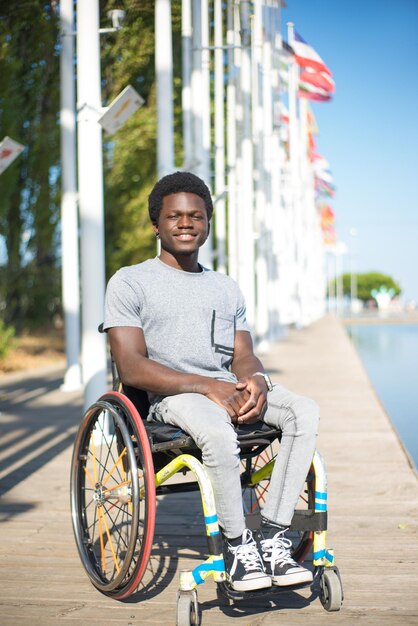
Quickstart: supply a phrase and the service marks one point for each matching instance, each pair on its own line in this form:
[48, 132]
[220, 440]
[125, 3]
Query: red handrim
[149, 477]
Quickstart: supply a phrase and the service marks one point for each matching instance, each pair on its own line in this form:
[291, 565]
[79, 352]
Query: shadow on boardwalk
[37, 422]
[373, 501]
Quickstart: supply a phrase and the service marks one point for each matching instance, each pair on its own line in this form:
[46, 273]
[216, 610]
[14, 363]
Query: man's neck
[186, 263]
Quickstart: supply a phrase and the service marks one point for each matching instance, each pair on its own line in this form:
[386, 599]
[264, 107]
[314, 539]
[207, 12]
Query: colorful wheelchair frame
[121, 462]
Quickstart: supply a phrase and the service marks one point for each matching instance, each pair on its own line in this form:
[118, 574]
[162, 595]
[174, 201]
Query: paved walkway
[373, 499]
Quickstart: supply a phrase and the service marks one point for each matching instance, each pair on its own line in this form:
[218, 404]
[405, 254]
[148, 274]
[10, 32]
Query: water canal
[389, 353]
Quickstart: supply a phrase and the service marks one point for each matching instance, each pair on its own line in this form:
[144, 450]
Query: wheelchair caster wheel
[187, 608]
[331, 591]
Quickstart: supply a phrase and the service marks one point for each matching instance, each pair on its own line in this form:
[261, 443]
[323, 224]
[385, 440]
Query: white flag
[9, 150]
[126, 103]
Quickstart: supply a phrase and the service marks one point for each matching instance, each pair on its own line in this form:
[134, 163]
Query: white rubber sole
[263, 582]
[296, 578]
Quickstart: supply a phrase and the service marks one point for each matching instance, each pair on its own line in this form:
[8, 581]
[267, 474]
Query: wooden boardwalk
[373, 501]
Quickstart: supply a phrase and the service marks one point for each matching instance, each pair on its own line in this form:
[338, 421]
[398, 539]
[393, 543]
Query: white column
[219, 141]
[69, 218]
[231, 147]
[164, 78]
[246, 257]
[294, 151]
[201, 105]
[186, 92]
[260, 107]
[90, 181]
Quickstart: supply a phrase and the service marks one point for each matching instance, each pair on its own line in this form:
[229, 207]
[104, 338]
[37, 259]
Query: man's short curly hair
[176, 183]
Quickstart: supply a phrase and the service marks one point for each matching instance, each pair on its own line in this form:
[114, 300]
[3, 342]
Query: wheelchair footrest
[309, 520]
[302, 520]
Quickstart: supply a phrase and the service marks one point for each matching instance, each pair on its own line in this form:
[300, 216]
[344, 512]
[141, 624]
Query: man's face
[183, 223]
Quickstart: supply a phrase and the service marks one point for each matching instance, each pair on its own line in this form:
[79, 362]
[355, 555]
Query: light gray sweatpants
[210, 426]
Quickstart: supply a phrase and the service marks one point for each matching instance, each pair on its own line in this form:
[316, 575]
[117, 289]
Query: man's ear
[208, 228]
[155, 229]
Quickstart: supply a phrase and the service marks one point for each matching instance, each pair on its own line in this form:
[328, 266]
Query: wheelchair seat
[164, 437]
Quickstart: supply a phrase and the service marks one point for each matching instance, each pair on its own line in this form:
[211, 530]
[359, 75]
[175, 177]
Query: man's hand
[256, 404]
[229, 397]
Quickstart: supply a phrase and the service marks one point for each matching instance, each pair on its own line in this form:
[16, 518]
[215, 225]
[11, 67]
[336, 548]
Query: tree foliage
[366, 283]
[29, 198]
[29, 113]
[130, 155]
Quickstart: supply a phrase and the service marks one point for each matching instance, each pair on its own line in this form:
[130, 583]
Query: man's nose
[184, 221]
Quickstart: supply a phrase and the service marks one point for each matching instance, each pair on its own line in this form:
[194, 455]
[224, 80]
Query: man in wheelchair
[178, 331]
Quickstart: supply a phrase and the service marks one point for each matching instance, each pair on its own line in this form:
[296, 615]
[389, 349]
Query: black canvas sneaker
[278, 563]
[243, 565]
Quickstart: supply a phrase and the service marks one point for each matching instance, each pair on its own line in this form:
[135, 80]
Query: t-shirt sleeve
[122, 303]
[241, 318]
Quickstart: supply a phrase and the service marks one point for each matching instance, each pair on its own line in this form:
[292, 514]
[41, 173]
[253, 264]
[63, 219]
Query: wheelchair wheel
[255, 489]
[331, 591]
[187, 608]
[113, 495]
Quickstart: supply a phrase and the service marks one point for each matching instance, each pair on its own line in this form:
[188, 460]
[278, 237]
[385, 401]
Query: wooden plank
[373, 500]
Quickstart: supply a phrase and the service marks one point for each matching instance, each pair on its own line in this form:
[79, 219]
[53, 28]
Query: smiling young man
[178, 331]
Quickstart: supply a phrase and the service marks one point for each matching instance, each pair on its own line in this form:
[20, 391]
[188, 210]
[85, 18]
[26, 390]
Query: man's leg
[211, 428]
[297, 417]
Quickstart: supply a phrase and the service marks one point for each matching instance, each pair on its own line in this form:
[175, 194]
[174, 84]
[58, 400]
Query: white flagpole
[69, 216]
[220, 216]
[231, 148]
[164, 77]
[261, 110]
[294, 150]
[186, 94]
[246, 257]
[90, 184]
[201, 104]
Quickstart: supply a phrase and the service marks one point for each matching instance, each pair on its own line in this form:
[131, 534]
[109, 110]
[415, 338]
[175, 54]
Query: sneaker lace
[247, 553]
[277, 550]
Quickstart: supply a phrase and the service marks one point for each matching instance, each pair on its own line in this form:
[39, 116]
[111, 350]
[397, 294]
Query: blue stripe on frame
[323, 553]
[216, 566]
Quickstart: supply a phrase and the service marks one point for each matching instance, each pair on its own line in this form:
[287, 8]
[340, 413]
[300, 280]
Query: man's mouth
[185, 236]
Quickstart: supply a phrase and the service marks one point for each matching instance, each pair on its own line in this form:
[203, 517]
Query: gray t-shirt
[189, 319]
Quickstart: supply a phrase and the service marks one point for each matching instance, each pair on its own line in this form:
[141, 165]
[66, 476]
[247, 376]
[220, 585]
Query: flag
[327, 216]
[9, 150]
[322, 171]
[329, 236]
[306, 56]
[306, 90]
[312, 124]
[322, 187]
[317, 79]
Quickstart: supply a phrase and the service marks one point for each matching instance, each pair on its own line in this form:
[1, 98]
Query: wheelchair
[121, 462]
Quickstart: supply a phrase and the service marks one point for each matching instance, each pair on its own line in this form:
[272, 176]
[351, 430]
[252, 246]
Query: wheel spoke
[102, 548]
[110, 473]
[109, 538]
[88, 476]
[126, 482]
[93, 453]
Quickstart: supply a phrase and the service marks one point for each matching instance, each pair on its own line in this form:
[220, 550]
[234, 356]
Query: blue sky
[369, 132]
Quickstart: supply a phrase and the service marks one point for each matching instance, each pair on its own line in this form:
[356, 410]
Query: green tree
[29, 109]
[130, 154]
[29, 198]
[366, 283]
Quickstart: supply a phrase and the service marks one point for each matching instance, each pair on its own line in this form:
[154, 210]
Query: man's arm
[137, 370]
[244, 365]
